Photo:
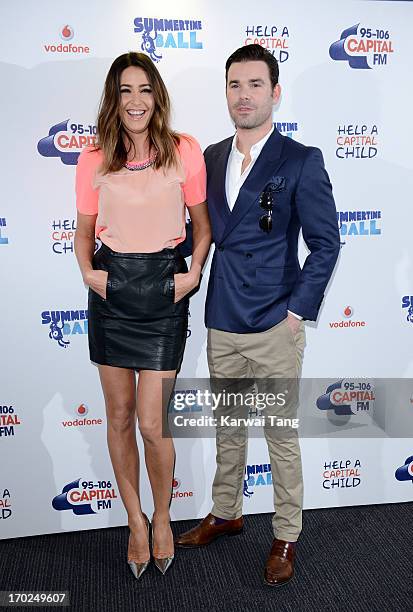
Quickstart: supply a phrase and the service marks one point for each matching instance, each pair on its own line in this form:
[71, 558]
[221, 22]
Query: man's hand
[293, 323]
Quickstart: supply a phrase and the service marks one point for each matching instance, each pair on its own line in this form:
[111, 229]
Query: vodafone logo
[82, 410]
[176, 483]
[348, 312]
[66, 32]
[410, 469]
[81, 420]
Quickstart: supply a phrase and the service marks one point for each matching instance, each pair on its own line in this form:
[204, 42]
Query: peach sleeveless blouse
[141, 211]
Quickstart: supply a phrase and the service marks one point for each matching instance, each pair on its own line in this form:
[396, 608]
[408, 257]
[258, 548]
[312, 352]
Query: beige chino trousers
[264, 357]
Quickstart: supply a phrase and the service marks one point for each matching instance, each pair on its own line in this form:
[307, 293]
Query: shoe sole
[280, 584]
[230, 534]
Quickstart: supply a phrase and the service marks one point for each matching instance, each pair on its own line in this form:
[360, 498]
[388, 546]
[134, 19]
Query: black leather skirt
[138, 326]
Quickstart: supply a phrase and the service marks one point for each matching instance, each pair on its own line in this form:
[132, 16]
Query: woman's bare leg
[119, 389]
[159, 455]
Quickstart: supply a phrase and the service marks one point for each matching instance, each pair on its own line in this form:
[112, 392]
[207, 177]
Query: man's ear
[276, 94]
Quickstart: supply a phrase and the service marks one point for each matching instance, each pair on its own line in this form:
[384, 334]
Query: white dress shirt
[235, 178]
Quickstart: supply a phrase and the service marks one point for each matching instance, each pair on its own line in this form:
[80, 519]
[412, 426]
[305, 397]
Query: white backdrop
[352, 99]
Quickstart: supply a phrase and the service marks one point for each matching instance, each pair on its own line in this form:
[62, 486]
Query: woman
[130, 193]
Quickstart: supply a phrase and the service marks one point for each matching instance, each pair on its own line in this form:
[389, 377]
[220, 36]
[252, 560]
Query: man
[262, 189]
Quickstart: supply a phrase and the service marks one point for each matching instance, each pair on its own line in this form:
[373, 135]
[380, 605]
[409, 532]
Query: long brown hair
[111, 133]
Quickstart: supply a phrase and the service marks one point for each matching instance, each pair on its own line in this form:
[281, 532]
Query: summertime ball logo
[66, 140]
[287, 128]
[358, 223]
[347, 313]
[85, 497]
[3, 237]
[405, 472]
[363, 48]
[66, 34]
[256, 475]
[159, 34]
[274, 38]
[63, 323]
[348, 397]
[407, 307]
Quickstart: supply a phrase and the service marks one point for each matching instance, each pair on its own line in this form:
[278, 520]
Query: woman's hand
[184, 283]
[97, 281]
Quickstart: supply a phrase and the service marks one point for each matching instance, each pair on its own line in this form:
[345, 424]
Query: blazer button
[248, 255]
[246, 285]
[220, 248]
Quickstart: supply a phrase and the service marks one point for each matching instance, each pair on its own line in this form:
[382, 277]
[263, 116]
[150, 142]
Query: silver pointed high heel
[163, 564]
[139, 568]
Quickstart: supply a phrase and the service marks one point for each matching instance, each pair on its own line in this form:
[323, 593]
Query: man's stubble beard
[250, 123]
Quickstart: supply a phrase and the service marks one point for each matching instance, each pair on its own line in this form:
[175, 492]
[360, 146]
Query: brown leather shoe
[207, 531]
[279, 568]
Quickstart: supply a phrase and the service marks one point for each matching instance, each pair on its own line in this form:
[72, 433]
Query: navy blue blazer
[255, 276]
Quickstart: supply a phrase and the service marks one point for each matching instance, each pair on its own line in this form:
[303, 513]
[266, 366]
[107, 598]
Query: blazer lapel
[266, 165]
[218, 180]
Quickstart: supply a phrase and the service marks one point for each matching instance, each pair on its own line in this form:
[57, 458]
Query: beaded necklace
[133, 166]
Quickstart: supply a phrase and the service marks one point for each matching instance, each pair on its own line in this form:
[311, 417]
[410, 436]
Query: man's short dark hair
[254, 53]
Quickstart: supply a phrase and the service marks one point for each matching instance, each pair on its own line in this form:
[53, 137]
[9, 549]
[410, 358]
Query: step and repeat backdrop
[345, 75]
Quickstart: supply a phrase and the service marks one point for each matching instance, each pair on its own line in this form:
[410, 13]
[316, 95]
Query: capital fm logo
[407, 308]
[63, 323]
[348, 397]
[67, 140]
[5, 504]
[81, 420]
[256, 475]
[273, 37]
[347, 321]
[9, 421]
[363, 48]
[159, 34]
[177, 493]
[66, 34]
[85, 497]
[405, 472]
